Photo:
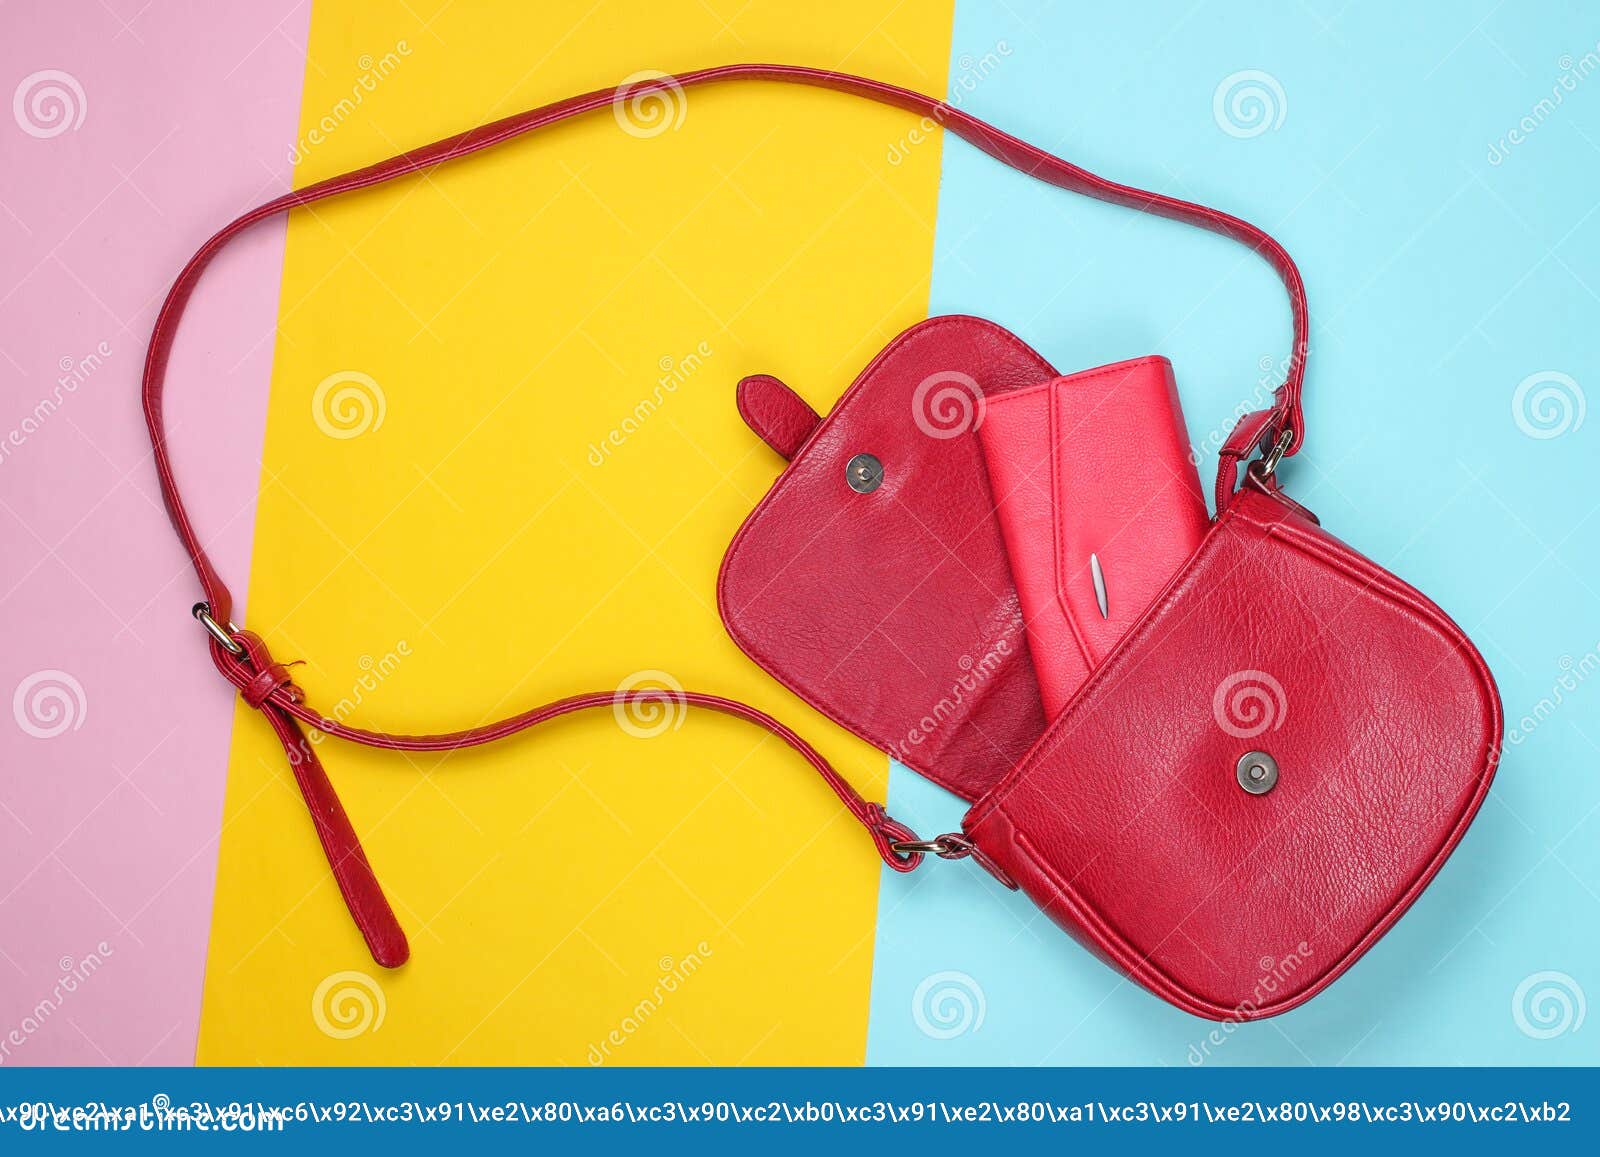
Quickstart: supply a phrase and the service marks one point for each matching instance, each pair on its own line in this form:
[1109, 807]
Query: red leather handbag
[1266, 767]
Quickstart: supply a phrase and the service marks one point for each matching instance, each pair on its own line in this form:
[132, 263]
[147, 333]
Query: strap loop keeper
[262, 674]
[261, 686]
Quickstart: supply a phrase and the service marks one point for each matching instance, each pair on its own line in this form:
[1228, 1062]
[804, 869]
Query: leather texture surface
[1091, 466]
[1127, 824]
[893, 612]
[780, 417]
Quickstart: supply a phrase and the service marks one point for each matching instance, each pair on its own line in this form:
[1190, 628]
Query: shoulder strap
[265, 684]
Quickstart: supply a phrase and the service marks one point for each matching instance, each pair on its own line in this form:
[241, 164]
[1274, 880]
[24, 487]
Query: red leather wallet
[1099, 503]
[1268, 766]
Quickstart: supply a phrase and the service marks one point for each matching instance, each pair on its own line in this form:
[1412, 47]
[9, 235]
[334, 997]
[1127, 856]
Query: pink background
[190, 112]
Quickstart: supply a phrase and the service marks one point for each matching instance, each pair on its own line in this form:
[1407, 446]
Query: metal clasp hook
[950, 846]
[1270, 460]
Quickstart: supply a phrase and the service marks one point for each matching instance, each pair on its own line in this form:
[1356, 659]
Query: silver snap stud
[864, 473]
[1257, 772]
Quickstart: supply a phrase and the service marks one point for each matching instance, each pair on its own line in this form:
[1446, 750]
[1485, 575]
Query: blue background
[1439, 279]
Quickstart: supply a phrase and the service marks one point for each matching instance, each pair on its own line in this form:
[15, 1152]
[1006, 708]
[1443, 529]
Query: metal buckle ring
[947, 847]
[221, 634]
[1269, 461]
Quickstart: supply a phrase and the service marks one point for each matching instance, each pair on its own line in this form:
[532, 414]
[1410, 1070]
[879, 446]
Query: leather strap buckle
[223, 635]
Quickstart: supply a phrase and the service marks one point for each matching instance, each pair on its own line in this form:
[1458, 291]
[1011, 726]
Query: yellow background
[513, 309]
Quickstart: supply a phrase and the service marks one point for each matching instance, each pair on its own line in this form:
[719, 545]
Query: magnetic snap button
[1257, 772]
[864, 473]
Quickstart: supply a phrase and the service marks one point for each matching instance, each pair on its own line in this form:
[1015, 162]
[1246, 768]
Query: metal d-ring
[223, 635]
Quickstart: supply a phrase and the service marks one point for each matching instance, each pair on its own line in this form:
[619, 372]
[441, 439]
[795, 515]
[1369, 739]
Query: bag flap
[891, 608]
[1136, 821]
